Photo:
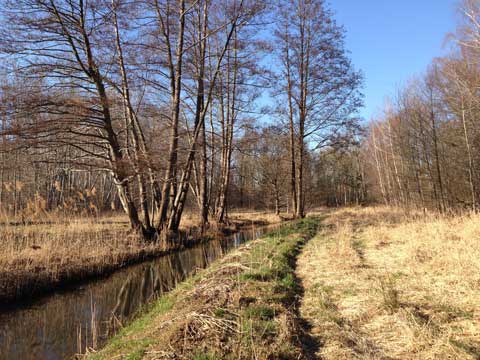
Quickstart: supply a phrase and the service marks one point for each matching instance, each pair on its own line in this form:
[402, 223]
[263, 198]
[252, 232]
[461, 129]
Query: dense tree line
[426, 146]
[153, 106]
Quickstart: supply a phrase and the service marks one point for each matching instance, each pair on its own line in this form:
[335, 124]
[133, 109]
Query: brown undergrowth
[242, 307]
[47, 253]
[382, 284]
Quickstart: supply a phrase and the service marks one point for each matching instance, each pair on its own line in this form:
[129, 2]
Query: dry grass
[49, 250]
[382, 284]
[49, 242]
[237, 217]
[39, 256]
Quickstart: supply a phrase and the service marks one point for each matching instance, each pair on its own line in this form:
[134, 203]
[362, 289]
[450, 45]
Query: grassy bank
[242, 307]
[381, 284]
[51, 252]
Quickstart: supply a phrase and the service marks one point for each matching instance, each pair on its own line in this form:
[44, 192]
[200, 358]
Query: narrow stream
[69, 322]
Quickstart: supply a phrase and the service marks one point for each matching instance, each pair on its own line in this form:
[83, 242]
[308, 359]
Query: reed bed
[48, 251]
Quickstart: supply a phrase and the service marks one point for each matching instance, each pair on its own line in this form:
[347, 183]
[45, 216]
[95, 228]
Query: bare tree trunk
[227, 131]
[180, 198]
[202, 39]
[169, 188]
[116, 156]
[293, 166]
[133, 128]
[377, 165]
[300, 211]
[277, 198]
[437, 156]
[394, 163]
[470, 162]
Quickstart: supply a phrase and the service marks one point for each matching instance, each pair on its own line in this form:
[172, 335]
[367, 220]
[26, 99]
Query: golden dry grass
[382, 284]
[237, 217]
[41, 243]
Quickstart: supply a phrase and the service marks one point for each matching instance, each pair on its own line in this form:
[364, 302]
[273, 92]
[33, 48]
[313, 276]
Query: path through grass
[380, 284]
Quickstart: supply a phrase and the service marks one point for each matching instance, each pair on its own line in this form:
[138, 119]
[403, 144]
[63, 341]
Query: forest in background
[157, 106]
[424, 149]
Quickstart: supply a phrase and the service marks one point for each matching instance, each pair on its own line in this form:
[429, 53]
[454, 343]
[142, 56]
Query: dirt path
[332, 323]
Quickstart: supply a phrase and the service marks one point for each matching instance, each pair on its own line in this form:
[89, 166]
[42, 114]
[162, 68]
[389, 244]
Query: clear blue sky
[393, 40]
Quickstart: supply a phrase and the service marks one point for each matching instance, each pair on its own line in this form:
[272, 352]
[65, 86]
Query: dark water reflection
[66, 323]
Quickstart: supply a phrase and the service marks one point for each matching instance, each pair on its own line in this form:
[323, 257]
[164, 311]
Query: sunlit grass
[383, 283]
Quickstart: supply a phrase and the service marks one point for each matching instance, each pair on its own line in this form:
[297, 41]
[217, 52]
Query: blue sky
[393, 40]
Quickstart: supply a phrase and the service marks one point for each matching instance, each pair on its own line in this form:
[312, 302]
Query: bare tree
[316, 79]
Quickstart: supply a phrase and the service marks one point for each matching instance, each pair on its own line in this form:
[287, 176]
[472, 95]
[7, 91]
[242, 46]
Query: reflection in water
[67, 323]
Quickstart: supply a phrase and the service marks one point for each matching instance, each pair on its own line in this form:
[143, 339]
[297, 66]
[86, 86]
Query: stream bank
[31, 279]
[244, 306]
[74, 320]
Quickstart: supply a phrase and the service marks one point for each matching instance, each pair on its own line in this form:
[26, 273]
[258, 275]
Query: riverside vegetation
[242, 307]
[371, 283]
[45, 253]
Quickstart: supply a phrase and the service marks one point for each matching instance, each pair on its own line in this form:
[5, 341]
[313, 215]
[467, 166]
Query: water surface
[69, 322]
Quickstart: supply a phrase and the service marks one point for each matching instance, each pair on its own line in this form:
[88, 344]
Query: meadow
[382, 283]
